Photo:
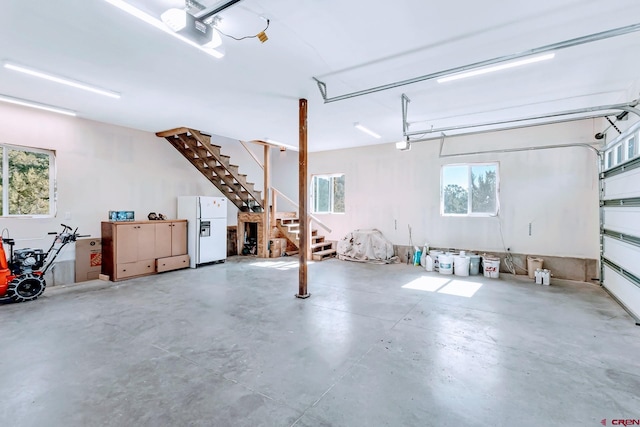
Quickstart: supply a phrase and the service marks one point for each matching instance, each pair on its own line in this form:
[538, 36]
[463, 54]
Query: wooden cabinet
[131, 249]
[171, 239]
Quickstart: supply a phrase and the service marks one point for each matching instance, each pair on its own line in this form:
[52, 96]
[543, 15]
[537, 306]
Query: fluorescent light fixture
[491, 69]
[45, 107]
[61, 80]
[366, 130]
[126, 7]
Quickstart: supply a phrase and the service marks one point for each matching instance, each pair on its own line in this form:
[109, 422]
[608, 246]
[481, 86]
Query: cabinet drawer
[138, 268]
[172, 263]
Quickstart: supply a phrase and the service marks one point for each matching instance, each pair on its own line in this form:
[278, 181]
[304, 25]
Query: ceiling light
[503, 66]
[122, 5]
[61, 80]
[45, 107]
[366, 130]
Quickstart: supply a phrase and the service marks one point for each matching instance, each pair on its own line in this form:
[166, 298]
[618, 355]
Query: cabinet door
[146, 241]
[126, 237]
[178, 238]
[163, 240]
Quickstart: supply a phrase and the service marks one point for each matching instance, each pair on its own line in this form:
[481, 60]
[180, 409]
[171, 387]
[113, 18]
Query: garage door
[620, 221]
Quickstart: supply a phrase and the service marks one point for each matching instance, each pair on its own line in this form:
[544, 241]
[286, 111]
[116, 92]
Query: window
[631, 147]
[469, 189]
[619, 158]
[26, 181]
[327, 193]
[609, 159]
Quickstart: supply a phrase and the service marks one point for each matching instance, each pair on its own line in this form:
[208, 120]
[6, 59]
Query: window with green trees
[470, 189]
[327, 193]
[26, 181]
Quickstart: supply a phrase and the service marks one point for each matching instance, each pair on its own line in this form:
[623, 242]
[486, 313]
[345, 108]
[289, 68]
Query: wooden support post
[303, 200]
[266, 229]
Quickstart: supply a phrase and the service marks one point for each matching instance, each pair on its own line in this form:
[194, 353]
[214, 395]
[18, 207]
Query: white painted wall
[554, 190]
[102, 167]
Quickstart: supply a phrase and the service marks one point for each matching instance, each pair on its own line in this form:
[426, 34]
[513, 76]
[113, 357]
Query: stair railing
[275, 193]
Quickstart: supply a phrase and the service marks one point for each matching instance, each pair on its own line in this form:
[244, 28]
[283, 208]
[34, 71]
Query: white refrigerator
[206, 228]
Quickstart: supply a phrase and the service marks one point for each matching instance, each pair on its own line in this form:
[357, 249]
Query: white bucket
[446, 264]
[434, 255]
[461, 265]
[491, 267]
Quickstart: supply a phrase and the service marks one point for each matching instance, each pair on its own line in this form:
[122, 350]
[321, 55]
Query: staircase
[320, 249]
[196, 147]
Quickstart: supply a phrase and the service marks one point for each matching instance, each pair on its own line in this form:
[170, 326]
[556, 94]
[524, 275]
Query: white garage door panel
[624, 290]
[622, 219]
[622, 186]
[623, 254]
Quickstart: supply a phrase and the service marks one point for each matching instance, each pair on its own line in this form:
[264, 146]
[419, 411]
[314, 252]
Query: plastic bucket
[461, 265]
[532, 265]
[434, 255]
[474, 265]
[446, 264]
[491, 267]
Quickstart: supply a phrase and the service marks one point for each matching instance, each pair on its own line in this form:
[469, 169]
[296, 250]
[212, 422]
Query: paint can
[461, 265]
[491, 266]
[436, 262]
[446, 264]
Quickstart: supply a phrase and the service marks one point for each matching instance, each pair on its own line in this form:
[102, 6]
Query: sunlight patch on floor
[279, 265]
[444, 285]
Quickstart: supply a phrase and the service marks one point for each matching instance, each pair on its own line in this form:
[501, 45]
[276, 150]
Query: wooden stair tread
[319, 256]
[319, 245]
[196, 147]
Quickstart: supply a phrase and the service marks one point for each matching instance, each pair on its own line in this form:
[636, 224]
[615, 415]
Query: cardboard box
[88, 259]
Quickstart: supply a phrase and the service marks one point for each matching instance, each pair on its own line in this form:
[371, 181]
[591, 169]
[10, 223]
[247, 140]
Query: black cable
[245, 37]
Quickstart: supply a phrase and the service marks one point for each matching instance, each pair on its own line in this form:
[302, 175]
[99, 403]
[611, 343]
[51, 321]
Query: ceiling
[253, 92]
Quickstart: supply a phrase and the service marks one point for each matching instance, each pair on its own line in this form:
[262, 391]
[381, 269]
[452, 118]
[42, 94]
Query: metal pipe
[544, 116]
[573, 119]
[515, 150]
[542, 49]
[478, 132]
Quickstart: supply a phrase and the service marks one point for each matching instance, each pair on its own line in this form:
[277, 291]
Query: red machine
[22, 272]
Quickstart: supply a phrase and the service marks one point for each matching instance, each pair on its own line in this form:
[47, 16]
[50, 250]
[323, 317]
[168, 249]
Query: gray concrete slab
[375, 345]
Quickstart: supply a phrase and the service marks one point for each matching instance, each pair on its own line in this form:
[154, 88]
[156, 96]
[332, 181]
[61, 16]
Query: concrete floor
[375, 345]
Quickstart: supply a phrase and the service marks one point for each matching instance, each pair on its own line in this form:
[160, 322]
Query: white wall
[102, 167]
[554, 190]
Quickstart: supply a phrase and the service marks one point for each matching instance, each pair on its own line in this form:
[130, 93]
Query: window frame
[469, 213]
[312, 194]
[4, 175]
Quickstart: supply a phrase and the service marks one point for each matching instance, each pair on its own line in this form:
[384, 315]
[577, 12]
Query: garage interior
[509, 131]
